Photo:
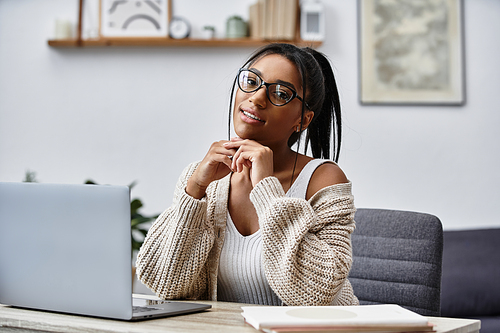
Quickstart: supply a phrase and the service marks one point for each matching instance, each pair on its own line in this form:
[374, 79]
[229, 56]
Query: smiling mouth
[249, 115]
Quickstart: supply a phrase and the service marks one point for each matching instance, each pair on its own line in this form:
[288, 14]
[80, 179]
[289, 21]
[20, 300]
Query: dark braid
[328, 121]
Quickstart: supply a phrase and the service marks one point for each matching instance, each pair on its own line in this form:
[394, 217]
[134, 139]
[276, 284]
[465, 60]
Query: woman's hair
[320, 93]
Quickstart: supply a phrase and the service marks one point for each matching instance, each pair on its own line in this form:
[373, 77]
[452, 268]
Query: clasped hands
[236, 155]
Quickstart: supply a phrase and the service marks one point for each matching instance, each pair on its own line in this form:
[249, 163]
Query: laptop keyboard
[139, 309]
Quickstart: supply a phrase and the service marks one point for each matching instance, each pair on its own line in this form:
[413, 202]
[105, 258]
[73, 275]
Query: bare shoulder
[325, 175]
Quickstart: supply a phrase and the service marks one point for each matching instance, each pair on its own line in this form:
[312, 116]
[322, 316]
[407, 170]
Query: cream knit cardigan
[306, 244]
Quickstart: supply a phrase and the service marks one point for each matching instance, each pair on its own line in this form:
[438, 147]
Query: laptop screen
[66, 248]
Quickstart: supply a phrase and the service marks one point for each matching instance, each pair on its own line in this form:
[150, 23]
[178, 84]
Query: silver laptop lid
[66, 248]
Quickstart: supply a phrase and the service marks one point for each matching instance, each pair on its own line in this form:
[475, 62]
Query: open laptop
[67, 248]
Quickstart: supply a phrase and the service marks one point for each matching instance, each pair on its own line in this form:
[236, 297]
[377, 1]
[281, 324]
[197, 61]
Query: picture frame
[411, 52]
[134, 18]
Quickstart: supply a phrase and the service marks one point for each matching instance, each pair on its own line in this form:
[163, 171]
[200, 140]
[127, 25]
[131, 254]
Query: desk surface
[223, 317]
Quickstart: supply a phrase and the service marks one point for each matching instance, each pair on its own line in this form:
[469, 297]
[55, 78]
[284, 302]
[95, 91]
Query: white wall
[122, 114]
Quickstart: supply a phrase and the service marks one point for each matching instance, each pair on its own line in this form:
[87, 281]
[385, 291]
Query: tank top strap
[299, 186]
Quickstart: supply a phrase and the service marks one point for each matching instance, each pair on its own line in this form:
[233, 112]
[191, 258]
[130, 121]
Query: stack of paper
[335, 319]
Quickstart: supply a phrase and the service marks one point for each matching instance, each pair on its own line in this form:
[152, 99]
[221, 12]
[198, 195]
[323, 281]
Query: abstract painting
[134, 18]
[411, 52]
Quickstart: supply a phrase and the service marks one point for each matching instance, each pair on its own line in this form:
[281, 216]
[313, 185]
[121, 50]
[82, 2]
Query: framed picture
[410, 52]
[134, 18]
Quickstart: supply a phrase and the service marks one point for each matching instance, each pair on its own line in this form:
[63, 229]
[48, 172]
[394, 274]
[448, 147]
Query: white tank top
[241, 276]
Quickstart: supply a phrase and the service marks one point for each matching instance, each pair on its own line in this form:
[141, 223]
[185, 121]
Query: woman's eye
[251, 82]
[282, 95]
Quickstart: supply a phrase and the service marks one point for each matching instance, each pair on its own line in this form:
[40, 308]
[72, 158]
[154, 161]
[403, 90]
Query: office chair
[397, 258]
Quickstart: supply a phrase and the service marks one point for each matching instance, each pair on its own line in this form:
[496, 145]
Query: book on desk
[338, 319]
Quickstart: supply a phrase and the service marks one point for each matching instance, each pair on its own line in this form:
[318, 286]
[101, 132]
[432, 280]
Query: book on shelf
[335, 319]
[279, 19]
[269, 18]
[254, 22]
[291, 12]
[273, 19]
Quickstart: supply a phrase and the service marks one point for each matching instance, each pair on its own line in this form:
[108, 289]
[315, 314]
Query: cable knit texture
[306, 244]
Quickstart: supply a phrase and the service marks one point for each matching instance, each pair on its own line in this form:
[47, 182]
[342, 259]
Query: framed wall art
[410, 52]
[134, 18]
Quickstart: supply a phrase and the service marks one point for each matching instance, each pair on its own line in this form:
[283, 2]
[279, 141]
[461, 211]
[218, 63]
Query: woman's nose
[259, 97]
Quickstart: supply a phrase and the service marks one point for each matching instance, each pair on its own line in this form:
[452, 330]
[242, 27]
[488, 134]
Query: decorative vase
[236, 27]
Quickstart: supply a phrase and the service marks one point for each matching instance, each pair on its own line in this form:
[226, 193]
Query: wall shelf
[169, 42]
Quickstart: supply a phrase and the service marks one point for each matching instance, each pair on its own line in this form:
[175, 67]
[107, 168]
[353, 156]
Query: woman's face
[256, 118]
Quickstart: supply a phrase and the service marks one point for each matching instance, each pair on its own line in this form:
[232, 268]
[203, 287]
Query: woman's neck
[283, 158]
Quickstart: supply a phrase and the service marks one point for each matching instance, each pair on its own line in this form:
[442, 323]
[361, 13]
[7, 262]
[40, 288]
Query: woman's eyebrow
[285, 83]
[255, 70]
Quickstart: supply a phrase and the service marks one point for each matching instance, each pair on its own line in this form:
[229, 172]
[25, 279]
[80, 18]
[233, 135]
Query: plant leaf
[135, 205]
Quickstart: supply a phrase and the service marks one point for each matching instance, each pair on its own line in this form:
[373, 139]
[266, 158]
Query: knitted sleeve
[306, 244]
[172, 259]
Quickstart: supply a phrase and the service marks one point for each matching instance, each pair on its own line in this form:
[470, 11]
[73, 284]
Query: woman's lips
[250, 116]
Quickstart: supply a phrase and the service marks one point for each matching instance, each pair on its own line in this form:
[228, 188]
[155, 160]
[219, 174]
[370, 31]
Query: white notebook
[290, 318]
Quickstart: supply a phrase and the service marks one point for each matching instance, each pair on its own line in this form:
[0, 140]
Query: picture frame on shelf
[411, 52]
[134, 18]
[312, 21]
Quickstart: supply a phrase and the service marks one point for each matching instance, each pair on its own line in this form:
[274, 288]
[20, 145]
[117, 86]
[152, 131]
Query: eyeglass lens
[277, 93]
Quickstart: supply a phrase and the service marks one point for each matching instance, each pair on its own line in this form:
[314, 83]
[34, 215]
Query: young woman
[254, 221]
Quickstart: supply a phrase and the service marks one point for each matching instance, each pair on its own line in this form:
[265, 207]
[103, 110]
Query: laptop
[67, 248]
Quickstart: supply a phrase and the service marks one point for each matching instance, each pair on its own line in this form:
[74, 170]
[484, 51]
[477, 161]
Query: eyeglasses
[279, 94]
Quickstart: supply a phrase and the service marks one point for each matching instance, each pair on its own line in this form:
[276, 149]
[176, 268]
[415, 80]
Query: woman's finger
[242, 159]
[210, 167]
[241, 145]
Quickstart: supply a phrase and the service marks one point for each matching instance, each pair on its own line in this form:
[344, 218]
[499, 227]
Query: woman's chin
[245, 135]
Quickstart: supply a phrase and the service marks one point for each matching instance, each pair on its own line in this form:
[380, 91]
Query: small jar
[236, 27]
[63, 29]
[208, 32]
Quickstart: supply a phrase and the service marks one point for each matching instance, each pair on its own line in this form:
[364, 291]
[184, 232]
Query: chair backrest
[397, 259]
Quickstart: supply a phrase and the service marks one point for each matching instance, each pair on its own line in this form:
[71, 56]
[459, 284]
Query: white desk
[223, 317]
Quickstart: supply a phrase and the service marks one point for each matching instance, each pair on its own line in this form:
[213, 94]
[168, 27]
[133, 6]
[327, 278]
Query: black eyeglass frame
[267, 85]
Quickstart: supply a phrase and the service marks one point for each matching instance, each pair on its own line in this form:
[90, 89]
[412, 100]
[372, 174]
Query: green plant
[30, 177]
[138, 222]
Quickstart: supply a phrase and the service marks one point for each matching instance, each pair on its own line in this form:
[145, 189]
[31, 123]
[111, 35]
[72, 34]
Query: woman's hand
[251, 154]
[216, 165]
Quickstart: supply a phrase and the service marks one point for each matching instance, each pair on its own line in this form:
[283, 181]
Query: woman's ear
[308, 117]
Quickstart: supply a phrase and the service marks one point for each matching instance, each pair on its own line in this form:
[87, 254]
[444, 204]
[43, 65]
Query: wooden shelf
[169, 42]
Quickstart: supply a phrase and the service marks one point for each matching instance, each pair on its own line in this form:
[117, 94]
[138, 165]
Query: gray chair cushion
[397, 259]
[471, 274]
